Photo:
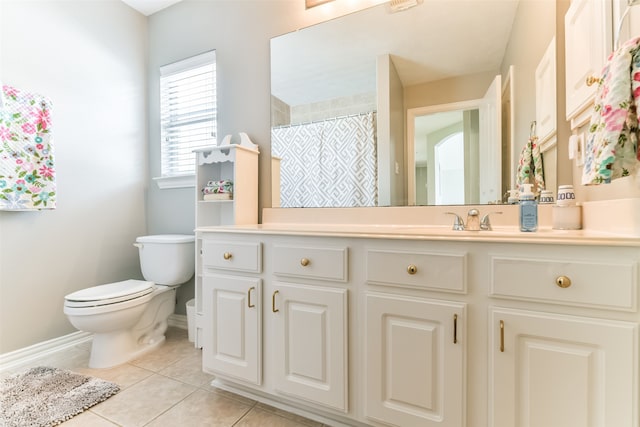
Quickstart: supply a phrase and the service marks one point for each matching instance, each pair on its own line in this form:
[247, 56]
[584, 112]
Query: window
[188, 113]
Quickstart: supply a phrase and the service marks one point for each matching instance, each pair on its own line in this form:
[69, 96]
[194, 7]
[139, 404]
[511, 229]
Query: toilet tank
[167, 259]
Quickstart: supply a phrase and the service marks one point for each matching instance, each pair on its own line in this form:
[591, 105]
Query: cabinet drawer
[311, 262]
[424, 270]
[600, 284]
[232, 255]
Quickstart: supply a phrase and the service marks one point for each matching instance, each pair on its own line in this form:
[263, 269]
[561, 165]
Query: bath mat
[45, 396]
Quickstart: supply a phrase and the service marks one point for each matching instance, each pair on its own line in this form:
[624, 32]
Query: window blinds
[188, 113]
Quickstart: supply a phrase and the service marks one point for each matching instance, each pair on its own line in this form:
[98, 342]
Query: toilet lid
[109, 293]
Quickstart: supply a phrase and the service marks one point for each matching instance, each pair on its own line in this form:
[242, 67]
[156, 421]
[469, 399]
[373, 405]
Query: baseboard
[45, 348]
[178, 321]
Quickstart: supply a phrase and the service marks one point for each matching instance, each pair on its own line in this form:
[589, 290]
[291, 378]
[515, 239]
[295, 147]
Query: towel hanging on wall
[27, 174]
[612, 142]
[530, 168]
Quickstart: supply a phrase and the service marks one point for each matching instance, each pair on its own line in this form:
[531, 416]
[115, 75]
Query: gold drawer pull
[249, 297]
[273, 302]
[304, 262]
[563, 281]
[227, 255]
[455, 329]
[591, 80]
[502, 336]
[412, 269]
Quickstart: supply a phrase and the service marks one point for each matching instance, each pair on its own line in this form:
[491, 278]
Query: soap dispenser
[528, 209]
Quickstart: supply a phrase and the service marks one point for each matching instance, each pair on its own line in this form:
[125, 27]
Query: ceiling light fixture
[313, 3]
[400, 5]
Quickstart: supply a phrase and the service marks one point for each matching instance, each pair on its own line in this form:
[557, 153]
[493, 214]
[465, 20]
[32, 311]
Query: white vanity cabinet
[308, 338]
[414, 359]
[232, 308]
[308, 321]
[415, 346]
[553, 369]
[283, 327]
[407, 330]
[588, 42]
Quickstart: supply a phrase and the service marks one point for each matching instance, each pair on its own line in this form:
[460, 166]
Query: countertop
[544, 235]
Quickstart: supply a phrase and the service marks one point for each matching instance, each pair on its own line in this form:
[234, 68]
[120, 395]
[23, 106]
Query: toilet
[129, 318]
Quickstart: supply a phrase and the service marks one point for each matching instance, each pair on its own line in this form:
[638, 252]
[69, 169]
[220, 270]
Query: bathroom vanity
[413, 325]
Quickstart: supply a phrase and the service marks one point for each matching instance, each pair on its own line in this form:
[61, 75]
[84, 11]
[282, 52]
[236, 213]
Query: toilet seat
[110, 293]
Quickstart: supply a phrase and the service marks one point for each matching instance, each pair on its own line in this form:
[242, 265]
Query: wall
[337, 107]
[240, 31]
[89, 58]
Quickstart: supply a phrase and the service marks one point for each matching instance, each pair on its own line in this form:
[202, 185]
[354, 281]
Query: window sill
[178, 181]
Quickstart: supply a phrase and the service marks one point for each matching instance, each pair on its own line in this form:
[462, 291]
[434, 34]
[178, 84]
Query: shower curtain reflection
[331, 163]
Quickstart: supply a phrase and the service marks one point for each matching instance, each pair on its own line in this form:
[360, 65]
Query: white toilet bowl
[129, 318]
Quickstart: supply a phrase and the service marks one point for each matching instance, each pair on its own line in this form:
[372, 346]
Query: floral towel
[612, 143]
[530, 170]
[27, 175]
[218, 187]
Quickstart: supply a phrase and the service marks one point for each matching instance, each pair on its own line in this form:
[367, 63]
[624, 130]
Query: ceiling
[436, 40]
[149, 7]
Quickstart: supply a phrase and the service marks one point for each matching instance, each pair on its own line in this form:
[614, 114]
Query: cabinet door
[551, 370]
[309, 342]
[588, 36]
[546, 93]
[414, 353]
[232, 327]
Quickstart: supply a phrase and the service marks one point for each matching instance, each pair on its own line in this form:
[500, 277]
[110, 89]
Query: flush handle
[563, 281]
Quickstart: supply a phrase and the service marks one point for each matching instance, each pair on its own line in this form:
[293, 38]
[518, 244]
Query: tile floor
[166, 388]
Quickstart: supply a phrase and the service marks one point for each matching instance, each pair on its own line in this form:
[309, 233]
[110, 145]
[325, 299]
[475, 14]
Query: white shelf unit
[239, 164]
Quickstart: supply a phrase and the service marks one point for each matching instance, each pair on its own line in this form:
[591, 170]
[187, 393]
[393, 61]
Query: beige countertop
[544, 235]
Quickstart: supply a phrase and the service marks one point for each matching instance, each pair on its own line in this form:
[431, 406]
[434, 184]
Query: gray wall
[240, 32]
[89, 58]
[96, 60]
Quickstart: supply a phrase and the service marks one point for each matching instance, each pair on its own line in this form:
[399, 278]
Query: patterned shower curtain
[332, 163]
[27, 175]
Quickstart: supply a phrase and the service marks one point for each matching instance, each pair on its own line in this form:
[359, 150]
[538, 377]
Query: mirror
[348, 95]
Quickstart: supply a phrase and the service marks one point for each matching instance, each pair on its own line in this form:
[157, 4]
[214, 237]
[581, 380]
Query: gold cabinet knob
[563, 281]
[227, 255]
[304, 262]
[591, 80]
[412, 269]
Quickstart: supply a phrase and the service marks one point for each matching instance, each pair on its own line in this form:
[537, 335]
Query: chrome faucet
[458, 223]
[485, 224]
[474, 223]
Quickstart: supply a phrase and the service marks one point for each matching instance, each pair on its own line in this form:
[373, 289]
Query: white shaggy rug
[46, 396]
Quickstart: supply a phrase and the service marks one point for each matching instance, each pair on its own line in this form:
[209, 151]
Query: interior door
[490, 149]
